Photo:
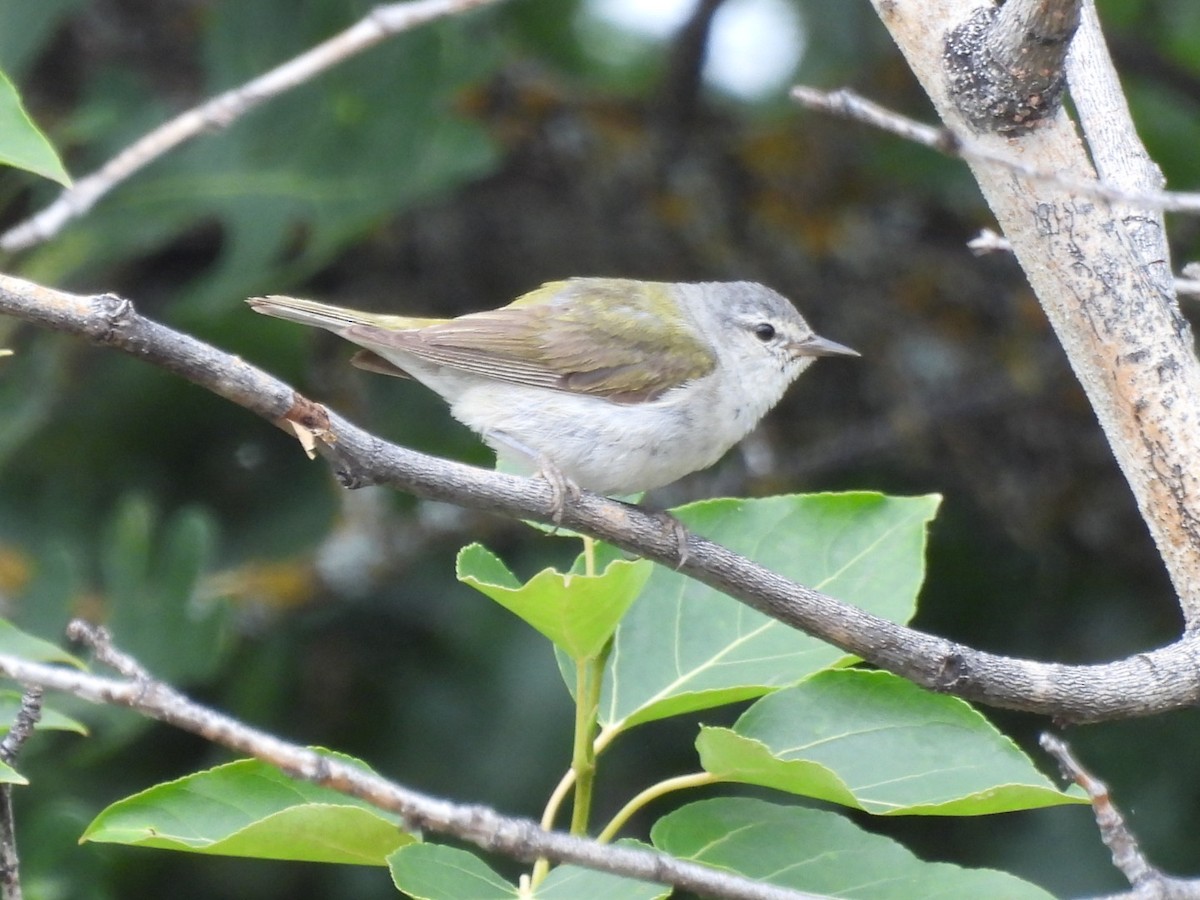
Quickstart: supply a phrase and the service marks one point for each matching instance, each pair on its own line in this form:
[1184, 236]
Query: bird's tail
[333, 318]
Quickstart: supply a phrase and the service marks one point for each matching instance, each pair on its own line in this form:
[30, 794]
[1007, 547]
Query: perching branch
[1118, 322]
[225, 109]
[1148, 683]
[519, 838]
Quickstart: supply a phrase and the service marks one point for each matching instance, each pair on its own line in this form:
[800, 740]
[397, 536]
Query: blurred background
[450, 170]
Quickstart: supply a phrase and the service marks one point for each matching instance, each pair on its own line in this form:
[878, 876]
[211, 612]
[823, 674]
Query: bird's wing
[605, 337]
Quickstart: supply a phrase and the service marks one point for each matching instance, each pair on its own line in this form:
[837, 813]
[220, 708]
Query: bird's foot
[679, 532]
[562, 488]
[677, 529]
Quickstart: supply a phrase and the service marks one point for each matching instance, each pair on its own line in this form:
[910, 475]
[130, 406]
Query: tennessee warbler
[613, 385]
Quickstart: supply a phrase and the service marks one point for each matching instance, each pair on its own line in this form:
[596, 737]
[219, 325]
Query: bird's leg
[561, 487]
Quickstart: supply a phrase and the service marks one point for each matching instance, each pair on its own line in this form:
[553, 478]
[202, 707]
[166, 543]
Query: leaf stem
[589, 555]
[589, 679]
[680, 783]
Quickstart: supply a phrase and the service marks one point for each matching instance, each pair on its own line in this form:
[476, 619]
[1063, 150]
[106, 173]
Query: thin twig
[851, 105]
[19, 731]
[29, 714]
[226, 108]
[1144, 684]
[1127, 856]
[988, 241]
[519, 838]
[10, 863]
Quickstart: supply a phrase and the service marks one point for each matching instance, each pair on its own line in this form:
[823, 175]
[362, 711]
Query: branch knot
[117, 311]
[1006, 64]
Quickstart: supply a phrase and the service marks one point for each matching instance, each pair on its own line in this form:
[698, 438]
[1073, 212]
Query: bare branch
[850, 105]
[10, 864]
[1148, 882]
[987, 241]
[226, 108]
[28, 715]
[521, 839]
[1190, 282]
[1148, 683]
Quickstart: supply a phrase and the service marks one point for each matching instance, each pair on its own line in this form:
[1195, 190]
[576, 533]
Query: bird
[616, 386]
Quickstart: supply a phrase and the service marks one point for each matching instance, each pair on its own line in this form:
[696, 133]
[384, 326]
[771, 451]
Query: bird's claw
[679, 532]
[561, 488]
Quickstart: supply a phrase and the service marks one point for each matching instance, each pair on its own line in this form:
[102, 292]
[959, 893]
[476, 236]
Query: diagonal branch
[1164, 679]
[224, 109]
[851, 105]
[522, 839]
[1127, 856]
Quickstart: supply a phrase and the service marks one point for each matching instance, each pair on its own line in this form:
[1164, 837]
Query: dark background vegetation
[450, 170]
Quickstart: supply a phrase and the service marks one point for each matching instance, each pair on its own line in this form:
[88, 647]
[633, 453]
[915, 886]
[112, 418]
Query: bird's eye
[764, 331]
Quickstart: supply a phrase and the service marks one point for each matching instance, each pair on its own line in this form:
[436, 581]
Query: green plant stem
[680, 783]
[589, 555]
[541, 869]
[567, 782]
[589, 679]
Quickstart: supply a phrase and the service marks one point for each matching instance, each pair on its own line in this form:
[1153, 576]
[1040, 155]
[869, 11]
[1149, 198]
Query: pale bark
[1106, 298]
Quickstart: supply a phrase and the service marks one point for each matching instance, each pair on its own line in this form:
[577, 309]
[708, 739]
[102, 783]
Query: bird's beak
[819, 346]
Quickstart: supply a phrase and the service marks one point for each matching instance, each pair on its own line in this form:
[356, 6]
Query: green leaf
[15, 642]
[577, 612]
[575, 882]
[873, 741]
[9, 775]
[822, 852]
[436, 872]
[685, 646]
[21, 144]
[248, 808]
[50, 720]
